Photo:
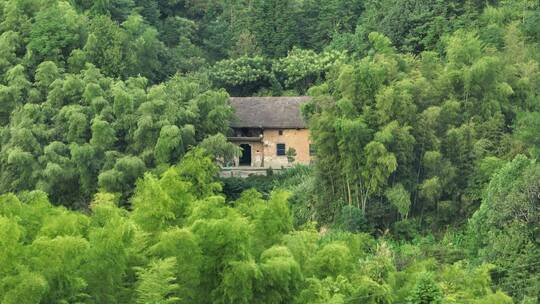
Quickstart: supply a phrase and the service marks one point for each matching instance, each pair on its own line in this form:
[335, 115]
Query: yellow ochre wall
[292, 138]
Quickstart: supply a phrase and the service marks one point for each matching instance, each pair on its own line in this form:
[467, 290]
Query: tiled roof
[268, 112]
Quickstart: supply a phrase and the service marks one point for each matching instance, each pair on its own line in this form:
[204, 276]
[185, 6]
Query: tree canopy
[424, 125]
[181, 245]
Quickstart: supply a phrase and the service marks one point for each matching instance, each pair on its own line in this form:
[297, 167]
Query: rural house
[270, 131]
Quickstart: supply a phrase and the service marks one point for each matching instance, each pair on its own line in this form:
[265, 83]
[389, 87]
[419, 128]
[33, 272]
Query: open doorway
[245, 158]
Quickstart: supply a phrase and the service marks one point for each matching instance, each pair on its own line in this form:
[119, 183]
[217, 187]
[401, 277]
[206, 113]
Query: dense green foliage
[425, 119]
[506, 228]
[420, 136]
[70, 134]
[182, 244]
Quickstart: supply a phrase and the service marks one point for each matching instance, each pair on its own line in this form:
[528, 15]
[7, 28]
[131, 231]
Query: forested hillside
[425, 119]
[182, 243]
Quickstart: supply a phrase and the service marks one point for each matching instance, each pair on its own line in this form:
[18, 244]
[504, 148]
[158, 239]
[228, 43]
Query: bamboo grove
[425, 119]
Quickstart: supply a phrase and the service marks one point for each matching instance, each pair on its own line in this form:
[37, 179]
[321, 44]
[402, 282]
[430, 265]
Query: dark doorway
[245, 158]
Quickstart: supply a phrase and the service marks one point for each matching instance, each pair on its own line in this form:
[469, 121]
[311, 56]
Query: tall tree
[274, 23]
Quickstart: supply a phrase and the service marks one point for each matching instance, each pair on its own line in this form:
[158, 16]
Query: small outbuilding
[270, 131]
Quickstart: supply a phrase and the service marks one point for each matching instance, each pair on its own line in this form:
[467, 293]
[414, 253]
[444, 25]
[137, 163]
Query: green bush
[352, 219]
